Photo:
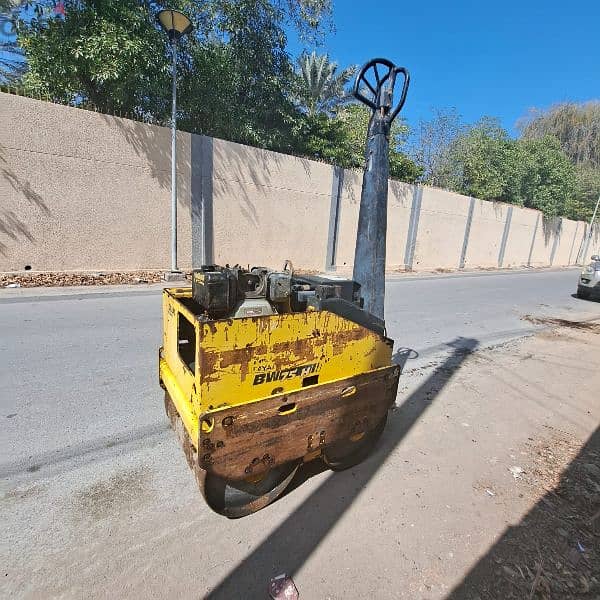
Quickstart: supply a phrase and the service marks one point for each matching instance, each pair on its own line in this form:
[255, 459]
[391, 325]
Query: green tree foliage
[547, 168]
[236, 81]
[576, 127]
[234, 72]
[479, 161]
[105, 54]
[342, 140]
[431, 144]
[483, 161]
[587, 190]
[545, 175]
[236, 86]
[319, 87]
[235, 78]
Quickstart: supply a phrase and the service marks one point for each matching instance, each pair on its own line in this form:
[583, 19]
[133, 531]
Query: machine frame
[257, 392]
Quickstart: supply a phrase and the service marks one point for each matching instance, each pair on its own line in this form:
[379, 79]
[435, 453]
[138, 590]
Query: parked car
[589, 280]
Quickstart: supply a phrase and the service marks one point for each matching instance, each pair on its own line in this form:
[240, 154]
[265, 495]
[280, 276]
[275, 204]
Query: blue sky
[483, 58]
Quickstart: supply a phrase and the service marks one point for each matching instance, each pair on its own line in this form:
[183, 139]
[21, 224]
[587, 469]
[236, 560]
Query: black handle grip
[383, 92]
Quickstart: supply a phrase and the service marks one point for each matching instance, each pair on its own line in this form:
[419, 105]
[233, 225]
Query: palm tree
[320, 88]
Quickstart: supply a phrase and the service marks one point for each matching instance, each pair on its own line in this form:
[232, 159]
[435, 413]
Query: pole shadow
[290, 544]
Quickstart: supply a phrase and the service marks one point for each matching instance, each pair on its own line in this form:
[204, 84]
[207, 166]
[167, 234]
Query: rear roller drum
[348, 453]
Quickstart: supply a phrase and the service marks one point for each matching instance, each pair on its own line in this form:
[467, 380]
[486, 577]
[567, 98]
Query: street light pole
[589, 235]
[174, 268]
[176, 25]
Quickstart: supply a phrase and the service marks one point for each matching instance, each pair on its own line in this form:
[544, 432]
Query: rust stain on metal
[302, 348]
[323, 417]
[212, 361]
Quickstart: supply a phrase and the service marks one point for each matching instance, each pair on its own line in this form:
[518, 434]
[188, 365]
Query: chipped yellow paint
[238, 361]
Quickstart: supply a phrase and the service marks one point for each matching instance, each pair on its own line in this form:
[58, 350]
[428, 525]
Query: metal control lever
[374, 86]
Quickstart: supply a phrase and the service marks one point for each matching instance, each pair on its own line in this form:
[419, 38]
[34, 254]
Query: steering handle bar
[383, 90]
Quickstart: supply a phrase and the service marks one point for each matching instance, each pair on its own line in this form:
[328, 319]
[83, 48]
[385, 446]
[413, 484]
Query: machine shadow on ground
[554, 551]
[290, 544]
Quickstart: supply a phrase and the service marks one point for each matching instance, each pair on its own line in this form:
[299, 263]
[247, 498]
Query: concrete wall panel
[85, 191]
[348, 219]
[268, 207]
[400, 198]
[255, 224]
[566, 243]
[78, 220]
[441, 229]
[544, 240]
[520, 237]
[489, 221]
[262, 168]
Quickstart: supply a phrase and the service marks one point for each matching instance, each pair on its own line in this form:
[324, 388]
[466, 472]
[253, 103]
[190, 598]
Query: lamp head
[174, 22]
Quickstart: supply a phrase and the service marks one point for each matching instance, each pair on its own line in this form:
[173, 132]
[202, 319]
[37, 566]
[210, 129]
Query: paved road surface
[79, 371]
[83, 422]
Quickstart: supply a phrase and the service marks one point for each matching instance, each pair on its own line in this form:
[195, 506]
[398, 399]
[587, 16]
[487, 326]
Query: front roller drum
[233, 499]
[249, 453]
[339, 420]
[236, 499]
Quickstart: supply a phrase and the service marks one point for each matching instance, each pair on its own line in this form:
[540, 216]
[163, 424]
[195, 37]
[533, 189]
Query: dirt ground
[554, 550]
[551, 384]
[485, 485]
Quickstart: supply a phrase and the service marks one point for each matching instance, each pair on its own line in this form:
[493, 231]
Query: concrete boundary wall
[84, 191]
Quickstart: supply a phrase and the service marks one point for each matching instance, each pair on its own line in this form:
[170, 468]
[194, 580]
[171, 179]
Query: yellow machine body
[256, 391]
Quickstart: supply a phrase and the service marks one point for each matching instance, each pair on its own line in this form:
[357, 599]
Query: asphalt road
[80, 402]
[79, 371]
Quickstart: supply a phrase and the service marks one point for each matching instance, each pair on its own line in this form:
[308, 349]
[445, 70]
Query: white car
[589, 280]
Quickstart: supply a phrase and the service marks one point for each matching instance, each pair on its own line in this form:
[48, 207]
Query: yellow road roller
[264, 370]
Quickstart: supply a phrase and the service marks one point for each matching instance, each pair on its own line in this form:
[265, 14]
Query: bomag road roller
[264, 369]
